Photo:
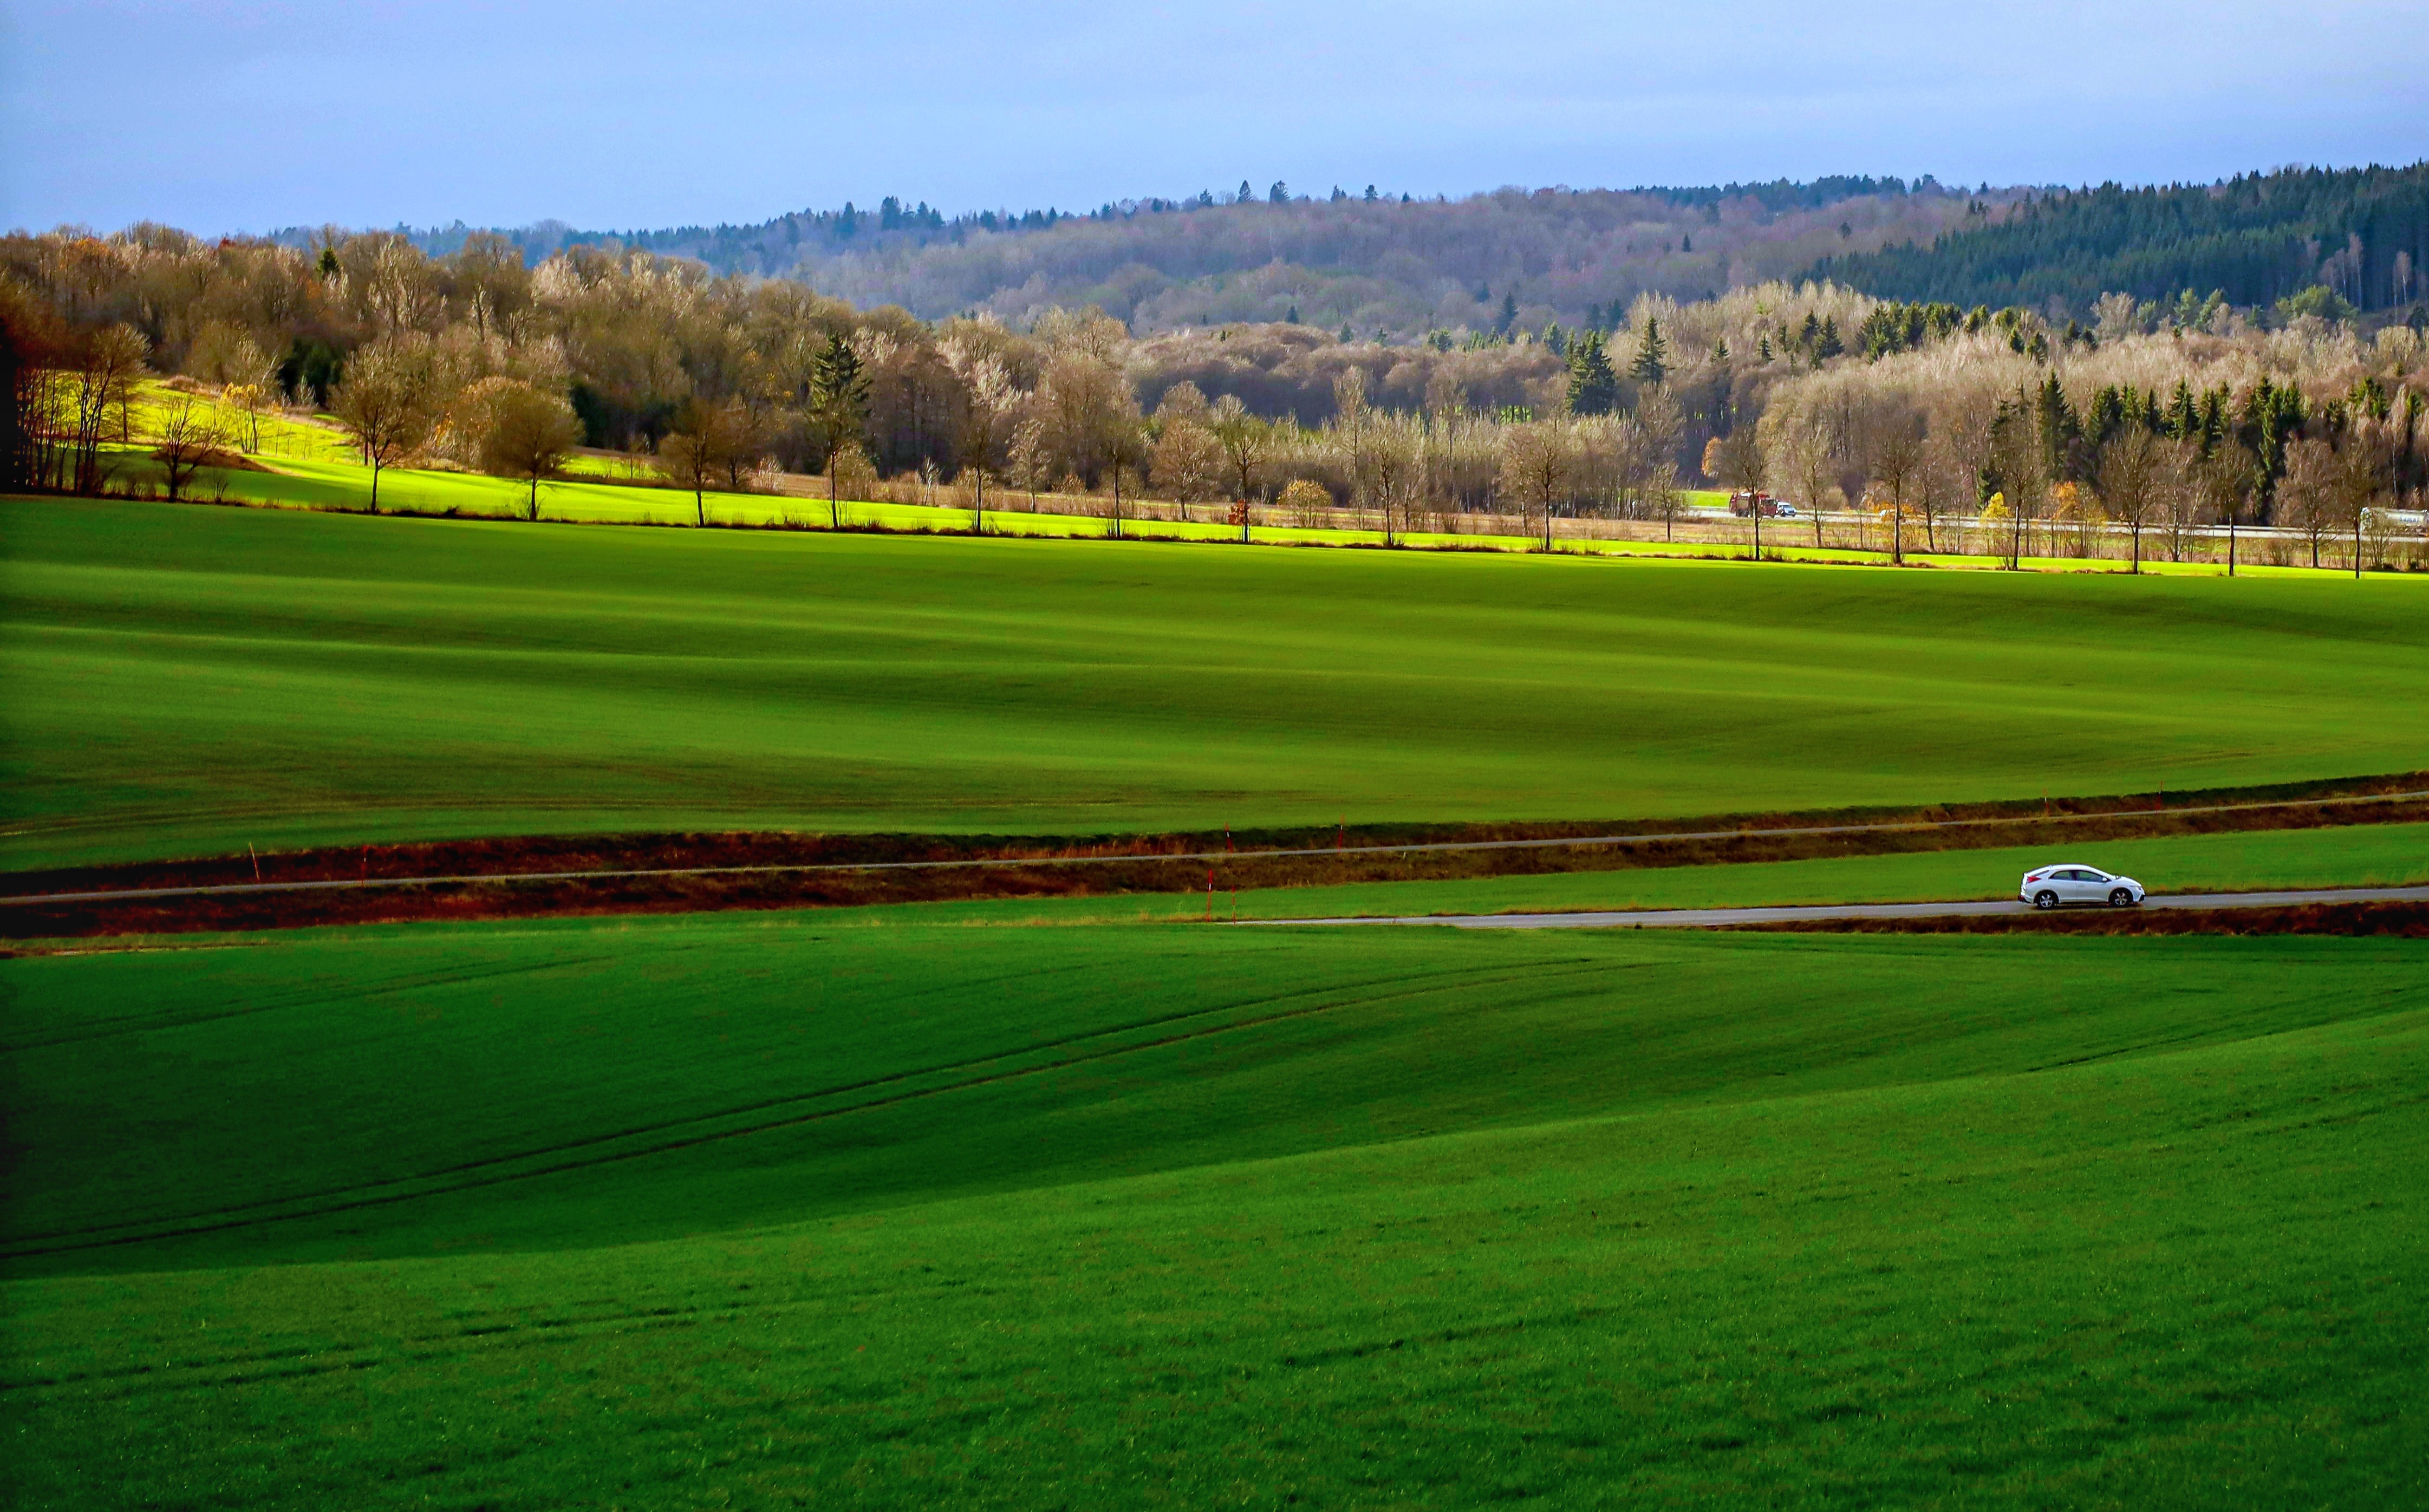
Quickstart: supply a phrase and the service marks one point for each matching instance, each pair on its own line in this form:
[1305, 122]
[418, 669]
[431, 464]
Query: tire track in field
[245, 1214]
[297, 998]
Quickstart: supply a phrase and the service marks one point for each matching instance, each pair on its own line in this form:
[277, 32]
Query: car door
[2074, 884]
[2090, 886]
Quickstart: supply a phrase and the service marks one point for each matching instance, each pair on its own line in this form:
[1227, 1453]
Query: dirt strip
[681, 873]
[2399, 920]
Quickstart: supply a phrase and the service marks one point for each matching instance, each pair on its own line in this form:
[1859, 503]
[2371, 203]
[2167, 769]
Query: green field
[189, 680]
[753, 1211]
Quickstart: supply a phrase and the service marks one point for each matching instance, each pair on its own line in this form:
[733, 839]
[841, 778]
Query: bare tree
[1537, 458]
[2132, 479]
[190, 435]
[2221, 481]
[1124, 444]
[2016, 457]
[2313, 488]
[1663, 421]
[988, 400]
[1896, 442]
[1745, 469]
[704, 444]
[384, 402]
[1395, 457]
[1247, 441]
[105, 366]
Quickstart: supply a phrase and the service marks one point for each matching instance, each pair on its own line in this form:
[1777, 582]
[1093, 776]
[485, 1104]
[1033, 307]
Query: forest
[2165, 412]
[2362, 233]
[1381, 264]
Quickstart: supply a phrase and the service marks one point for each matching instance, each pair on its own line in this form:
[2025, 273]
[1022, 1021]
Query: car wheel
[2122, 899]
[2045, 899]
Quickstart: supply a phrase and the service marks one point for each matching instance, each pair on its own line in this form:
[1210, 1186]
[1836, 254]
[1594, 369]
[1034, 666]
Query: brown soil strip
[528, 876]
[2406, 921]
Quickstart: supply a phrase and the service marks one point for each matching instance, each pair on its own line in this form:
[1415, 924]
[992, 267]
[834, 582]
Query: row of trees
[474, 360]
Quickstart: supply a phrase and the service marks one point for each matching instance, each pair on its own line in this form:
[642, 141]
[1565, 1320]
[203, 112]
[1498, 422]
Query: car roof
[2056, 865]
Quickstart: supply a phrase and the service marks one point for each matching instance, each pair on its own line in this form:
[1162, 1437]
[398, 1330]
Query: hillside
[187, 680]
[799, 1211]
[1394, 265]
[2259, 238]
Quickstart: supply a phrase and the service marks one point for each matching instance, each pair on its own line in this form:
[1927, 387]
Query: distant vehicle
[1785, 510]
[2048, 887]
[1746, 505]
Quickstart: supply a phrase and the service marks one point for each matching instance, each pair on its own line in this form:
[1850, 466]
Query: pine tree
[1594, 386]
[839, 402]
[1721, 351]
[1828, 345]
[1763, 347]
[2184, 421]
[1652, 362]
[1509, 314]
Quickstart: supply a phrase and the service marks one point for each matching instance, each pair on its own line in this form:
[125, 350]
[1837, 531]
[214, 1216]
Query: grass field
[760, 1211]
[189, 680]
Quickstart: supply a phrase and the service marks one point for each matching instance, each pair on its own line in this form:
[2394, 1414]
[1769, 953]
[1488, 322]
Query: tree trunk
[375, 473]
[2137, 546]
[834, 510]
[698, 508]
[2230, 546]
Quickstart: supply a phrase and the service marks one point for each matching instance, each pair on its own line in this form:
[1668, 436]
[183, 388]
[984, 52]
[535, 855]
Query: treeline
[1813, 391]
[1380, 262]
[2362, 233]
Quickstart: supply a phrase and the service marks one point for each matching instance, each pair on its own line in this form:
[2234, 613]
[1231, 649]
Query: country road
[1716, 919]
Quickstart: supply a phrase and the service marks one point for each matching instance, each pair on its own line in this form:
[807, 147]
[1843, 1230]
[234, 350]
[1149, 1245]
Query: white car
[2046, 887]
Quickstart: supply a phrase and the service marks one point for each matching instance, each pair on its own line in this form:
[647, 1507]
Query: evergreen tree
[1652, 362]
[2108, 414]
[1720, 351]
[2184, 419]
[1594, 386]
[839, 403]
[1828, 345]
[1509, 314]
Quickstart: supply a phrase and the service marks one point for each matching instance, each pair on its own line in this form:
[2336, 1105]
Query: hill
[187, 680]
[2257, 237]
[766, 1210]
[1393, 265]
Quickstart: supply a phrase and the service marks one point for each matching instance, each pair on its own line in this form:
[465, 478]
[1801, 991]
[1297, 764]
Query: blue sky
[608, 114]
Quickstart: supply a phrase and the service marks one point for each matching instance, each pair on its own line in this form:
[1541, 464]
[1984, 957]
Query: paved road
[1710, 918]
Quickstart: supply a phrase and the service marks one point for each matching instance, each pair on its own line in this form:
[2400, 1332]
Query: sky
[612, 115]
